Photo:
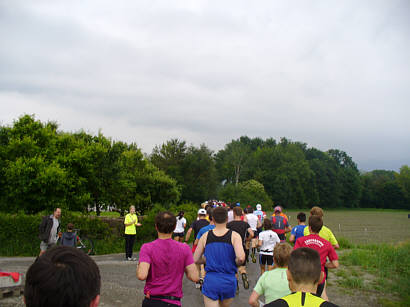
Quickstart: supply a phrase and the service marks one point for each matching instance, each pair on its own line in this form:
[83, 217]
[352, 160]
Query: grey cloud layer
[332, 74]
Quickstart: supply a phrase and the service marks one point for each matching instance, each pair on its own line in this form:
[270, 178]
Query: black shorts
[179, 234]
[282, 236]
[156, 303]
[265, 259]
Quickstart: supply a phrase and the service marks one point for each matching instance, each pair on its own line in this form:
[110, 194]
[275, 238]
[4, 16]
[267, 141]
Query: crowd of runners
[227, 238]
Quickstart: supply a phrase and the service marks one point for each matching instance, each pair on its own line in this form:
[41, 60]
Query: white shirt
[252, 220]
[180, 225]
[269, 239]
[230, 216]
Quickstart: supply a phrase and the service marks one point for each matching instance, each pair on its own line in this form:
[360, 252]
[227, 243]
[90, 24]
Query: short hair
[62, 276]
[316, 211]
[70, 226]
[304, 265]
[250, 210]
[315, 223]
[165, 222]
[301, 217]
[237, 211]
[209, 212]
[281, 254]
[220, 215]
[267, 224]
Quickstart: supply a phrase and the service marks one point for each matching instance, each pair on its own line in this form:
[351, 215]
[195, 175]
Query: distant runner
[280, 224]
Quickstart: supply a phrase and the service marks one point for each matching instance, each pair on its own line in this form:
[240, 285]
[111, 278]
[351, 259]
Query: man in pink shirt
[323, 246]
[162, 263]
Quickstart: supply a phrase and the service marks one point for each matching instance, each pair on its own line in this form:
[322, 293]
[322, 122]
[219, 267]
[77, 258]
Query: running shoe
[237, 287]
[253, 258]
[201, 282]
[245, 281]
[197, 285]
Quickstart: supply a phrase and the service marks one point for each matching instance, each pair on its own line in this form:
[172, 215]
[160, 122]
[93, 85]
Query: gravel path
[120, 286]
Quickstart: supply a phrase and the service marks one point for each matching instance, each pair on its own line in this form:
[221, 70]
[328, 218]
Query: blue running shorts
[219, 286]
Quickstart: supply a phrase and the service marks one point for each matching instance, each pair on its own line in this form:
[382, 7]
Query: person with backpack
[280, 224]
[69, 238]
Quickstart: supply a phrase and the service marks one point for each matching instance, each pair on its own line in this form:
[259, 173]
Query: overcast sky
[332, 74]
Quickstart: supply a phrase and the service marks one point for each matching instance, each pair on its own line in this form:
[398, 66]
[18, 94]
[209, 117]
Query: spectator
[69, 238]
[49, 230]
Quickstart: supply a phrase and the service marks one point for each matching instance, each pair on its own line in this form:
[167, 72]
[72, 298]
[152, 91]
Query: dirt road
[120, 286]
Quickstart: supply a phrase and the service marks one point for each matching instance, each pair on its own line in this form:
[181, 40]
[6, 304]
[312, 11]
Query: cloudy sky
[332, 74]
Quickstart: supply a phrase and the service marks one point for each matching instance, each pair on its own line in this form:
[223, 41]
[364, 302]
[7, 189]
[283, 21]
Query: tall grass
[389, 263]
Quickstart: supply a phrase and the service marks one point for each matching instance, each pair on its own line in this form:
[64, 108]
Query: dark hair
[220, 215]
[315, 223]
[304, 265]
[237, 211]
[209, 212]
[62, 276]
[250, 210]
[267, 224]
[165, 222]
[180, 215]
[281, 254]
[70, 226]
[245, 210]
[301, 217]
[231, 206]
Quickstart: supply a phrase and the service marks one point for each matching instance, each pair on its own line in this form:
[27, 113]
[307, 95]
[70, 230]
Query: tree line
[42, 167]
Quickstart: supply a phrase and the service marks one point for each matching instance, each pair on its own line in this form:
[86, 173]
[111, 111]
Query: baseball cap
[258, 207]
[277, 208]
[202, 211]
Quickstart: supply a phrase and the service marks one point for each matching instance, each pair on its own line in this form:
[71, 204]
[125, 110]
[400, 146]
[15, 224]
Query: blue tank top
[220, 254]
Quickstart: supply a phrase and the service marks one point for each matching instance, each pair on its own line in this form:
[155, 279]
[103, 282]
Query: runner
[280, 224]
[162, 263]
[297, 231]
[196, 226]
[180, 228]
[222, 249]
[254, 222]
[267, 241]
[321, 245]
[259, 213]
[242, 228]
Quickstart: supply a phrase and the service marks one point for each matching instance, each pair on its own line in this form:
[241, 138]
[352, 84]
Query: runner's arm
[188, 234]
[259, 224]
[142, 270]
[334, 264]
[238, 247]
[260, 242]
[198, 255]
[253, 299]
[288, 229]
[192, 273]
[251, 234]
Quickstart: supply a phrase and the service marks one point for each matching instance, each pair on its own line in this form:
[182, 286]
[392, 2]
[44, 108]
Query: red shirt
[324, 248]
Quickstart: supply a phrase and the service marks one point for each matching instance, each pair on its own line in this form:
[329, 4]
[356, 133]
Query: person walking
[130, 222]
[49, 230]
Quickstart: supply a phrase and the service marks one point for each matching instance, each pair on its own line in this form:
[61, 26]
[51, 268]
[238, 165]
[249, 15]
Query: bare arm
[253, 299]
[260, 243]
[198, 255]
[237, 246]
[336, 246]
[292, 238]
[142, 270]
[251, 234]
[188, 234]
[332, 264]
[191, 272]
[288, 229]
[259, 224]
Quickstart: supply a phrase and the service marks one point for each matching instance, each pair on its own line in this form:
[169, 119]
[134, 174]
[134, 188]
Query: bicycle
[83, 243]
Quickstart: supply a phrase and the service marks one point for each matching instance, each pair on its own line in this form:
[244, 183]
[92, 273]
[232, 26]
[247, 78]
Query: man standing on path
[49, 230]
[221, 249]
[162, 264]
[130, 222]
[241, 228]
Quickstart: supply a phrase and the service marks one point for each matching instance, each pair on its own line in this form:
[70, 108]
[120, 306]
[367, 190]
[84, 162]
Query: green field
[364, 226]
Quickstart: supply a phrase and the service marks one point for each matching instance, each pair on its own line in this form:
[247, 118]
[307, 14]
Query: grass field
[364, 226]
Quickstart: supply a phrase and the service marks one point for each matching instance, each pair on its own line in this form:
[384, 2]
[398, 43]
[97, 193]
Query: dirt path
[120, 287]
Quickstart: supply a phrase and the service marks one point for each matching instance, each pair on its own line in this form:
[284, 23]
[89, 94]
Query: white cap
[201, 211]
[258, 207]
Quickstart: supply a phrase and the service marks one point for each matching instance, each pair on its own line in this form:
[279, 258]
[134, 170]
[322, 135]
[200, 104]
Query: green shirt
[273, 284]
[324, 233]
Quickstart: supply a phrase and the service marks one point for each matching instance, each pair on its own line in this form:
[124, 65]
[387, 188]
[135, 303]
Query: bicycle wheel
[86, 245]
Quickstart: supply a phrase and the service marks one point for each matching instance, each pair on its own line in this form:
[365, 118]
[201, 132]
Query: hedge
[19, 232]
